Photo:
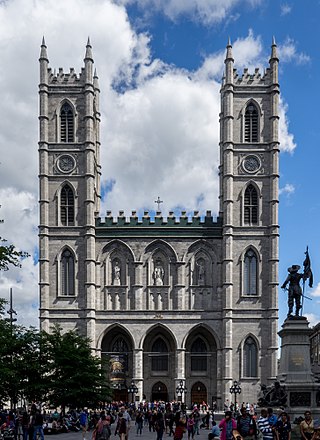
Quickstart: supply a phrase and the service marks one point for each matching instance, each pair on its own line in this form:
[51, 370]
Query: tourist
[83, 419]
[190, 426]
[283, 427]
[246, 425]
[179, 431]
[215, 432]
[306, 426]
[264, 425]
[228, 427]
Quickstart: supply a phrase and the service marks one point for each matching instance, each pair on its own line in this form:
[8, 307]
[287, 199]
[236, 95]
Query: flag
[307, 269]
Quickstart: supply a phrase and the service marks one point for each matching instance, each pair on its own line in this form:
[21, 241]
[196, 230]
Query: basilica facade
[169, 301]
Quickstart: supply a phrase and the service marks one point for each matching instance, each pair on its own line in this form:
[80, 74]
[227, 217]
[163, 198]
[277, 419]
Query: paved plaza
[146, 435]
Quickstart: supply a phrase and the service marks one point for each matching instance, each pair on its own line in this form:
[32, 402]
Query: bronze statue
[274, 395]
[294, 291]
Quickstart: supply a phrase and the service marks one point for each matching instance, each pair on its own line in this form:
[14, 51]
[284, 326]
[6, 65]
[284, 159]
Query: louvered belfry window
[66, 123]
[250, 273]
[67, 206]
[251, 206]
[67, 273]
[251, 124]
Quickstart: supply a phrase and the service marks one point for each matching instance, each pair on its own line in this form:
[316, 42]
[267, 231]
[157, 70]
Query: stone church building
[174, 300]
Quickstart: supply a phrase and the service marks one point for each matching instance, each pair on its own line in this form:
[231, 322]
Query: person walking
[38, 425]
[246, 425]
[139, 422]
[283, 427]
[191, 426]
[83, 420]
[159, 426]
[228, 427]
[264, 425]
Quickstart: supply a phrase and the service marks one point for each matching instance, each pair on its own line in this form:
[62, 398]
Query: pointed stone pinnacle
[88, 42]
[274, 41]
[229, 42]
[43, 42]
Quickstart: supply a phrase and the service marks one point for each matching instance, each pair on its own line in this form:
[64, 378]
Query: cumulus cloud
[288, 189]
[288, 53]
[312, 318]
[204, 11]
[160, 129]
[316, 291]
[285, 9]
[287, 143]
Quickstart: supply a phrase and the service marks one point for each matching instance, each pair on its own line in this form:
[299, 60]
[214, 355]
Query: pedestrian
[306, 426]
[38, 425]
[139, 422]
[246, 425]
[190, 426]
[228, 427]
[121, 428]
[159, 426]
[283, 427]
[83, 420]
[179, 431]
[264, 425]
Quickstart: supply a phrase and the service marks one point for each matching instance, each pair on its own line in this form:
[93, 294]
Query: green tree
[76, 377]
[9, 255]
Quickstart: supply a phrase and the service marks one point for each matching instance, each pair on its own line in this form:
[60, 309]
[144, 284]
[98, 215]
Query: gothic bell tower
[69, 176]
[249, 152]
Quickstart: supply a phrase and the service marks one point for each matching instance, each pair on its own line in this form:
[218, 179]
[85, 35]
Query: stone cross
[158, 202]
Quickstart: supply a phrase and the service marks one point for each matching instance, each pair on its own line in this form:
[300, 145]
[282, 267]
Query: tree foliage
[58, 368]
[9, 255]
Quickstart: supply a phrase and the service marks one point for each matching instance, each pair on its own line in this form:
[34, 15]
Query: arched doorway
[159, 392]
[199, 393]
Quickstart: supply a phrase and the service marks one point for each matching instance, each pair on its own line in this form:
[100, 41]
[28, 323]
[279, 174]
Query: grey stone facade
[175, 280]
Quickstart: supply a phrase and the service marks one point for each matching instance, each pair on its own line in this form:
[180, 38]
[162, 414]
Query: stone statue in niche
[201, 273]
[116, 273]
[158, 274]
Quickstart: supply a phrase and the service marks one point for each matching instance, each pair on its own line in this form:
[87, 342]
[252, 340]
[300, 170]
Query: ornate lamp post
[181, 389]
[235, 389]
[132, 389]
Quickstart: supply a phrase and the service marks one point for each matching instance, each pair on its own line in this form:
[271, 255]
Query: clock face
[66, 163]
[251, 164]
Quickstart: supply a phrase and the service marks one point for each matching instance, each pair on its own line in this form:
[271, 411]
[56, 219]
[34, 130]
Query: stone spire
[96, 80]
[88, 55]
[229, 61]
[274, 54]
[43, 51]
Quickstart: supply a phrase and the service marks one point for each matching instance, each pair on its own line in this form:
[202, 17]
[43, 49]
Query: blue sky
[146, 52]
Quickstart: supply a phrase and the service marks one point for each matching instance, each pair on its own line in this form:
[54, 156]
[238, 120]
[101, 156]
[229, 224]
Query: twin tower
[167, 300]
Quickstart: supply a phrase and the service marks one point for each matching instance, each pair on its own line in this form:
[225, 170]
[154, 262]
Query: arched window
[66, 123]
[67, 206]
[250, 273]
[199, 355]
[67, 273]
[159, 355]
[250, 358]
[251, 124]
[250, 206]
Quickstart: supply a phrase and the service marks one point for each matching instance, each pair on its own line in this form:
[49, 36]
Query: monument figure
[158, 274]
[274, 395]
[116, 274]
[294, 290]
[201, 273]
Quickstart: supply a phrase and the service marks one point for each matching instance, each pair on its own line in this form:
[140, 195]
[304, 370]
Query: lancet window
[251, 124]
[66, 123]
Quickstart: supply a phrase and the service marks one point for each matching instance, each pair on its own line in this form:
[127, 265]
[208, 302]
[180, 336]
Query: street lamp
[181, 389]
[235, 389]
[132, 389]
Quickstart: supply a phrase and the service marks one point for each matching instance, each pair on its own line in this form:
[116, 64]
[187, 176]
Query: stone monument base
[303, 391]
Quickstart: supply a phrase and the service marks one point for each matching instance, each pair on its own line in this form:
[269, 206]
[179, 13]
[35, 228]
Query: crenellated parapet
[255, 78]
[159, 221]
[64, 78]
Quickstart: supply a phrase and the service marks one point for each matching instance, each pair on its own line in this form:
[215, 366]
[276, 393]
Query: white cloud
[288, 189]
[156, 137]
[285, 9]
[288, 53]
[287, 143]
[316, 291]
[312, 318]
[204, 11]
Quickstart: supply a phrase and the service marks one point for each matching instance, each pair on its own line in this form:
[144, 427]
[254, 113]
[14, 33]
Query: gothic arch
[57, 197]
[242, 201]
[116, 262]
[252, 252]
[158, 259]
[58, 122]
[66, 270]
[116, 328]
[242, 115]
[158, 327]
[205, 329]
[117, 347]
[249, 349]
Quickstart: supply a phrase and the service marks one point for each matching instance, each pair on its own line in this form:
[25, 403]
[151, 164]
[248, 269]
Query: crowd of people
[170, 419]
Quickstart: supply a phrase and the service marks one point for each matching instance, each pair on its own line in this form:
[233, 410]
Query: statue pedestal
[295, 366]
